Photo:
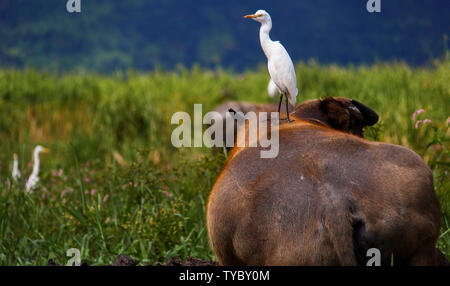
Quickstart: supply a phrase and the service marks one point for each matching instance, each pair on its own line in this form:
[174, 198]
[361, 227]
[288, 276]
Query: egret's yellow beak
[45, 150]
[252, 16]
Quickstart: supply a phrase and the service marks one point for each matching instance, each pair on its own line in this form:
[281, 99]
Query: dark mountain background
[143, 34]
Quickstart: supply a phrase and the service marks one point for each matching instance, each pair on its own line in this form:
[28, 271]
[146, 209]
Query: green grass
[113, 182]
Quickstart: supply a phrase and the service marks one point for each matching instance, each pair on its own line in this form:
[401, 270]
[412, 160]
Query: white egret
[279, 63]
[15, 171]
[34, 179]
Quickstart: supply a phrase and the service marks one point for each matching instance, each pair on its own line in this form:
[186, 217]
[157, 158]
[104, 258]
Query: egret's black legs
[287, 108]
[279, 103]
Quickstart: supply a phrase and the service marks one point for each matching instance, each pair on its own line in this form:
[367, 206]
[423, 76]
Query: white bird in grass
[15, 171]
[34, 179]
[279, 63]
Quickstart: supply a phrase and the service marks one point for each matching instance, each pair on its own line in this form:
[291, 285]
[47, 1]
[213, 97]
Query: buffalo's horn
[369, 114]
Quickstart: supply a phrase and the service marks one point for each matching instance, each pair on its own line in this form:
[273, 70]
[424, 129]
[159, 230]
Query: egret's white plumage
[279, 63]
[15, 171]
[272, 89]
[34, 178]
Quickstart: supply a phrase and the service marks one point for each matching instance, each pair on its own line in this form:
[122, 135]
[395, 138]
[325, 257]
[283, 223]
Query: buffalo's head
[347, 115]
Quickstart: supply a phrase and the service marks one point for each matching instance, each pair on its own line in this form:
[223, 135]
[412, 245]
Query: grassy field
[114, 184]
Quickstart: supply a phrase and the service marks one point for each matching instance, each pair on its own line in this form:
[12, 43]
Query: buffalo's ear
[370, 116]
[338, 115]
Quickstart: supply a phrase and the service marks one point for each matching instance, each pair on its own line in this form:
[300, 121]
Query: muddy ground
[125, 260]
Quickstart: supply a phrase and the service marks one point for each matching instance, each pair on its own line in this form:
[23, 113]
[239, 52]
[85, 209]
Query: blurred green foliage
[109, 35]
[113, 182]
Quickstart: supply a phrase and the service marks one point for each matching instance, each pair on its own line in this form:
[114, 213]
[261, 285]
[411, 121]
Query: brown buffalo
[327, 198]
